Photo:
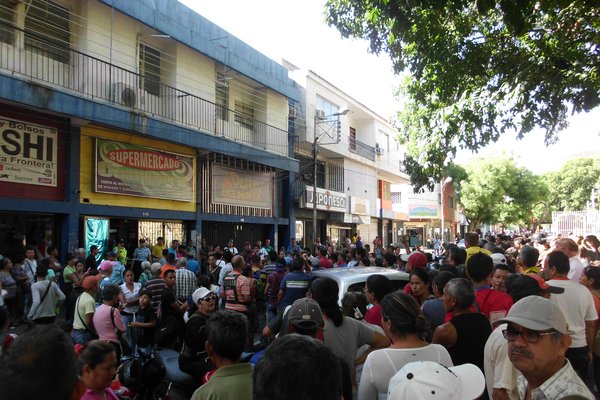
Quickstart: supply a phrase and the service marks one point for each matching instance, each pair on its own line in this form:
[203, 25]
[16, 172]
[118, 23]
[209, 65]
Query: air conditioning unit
[292, 112]
[378, 149]
[128, 95]
[320, 114]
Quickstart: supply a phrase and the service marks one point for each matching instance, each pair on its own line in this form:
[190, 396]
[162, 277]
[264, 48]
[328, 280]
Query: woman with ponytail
[343, 335]
[407, 328]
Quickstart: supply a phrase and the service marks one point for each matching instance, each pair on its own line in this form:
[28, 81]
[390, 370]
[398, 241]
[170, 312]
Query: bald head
[237, 262]
[567, 246]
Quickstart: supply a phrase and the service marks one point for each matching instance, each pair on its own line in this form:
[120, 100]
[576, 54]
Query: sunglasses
[209, 298]
[511, 334]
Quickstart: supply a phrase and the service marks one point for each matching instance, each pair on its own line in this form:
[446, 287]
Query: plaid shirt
[185, 283]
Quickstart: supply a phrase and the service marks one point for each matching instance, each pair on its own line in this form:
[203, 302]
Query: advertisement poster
[28, 153]
[133, 170]
[241, 188]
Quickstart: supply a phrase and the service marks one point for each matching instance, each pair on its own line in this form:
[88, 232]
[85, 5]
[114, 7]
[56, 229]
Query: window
[450, 201]
[47, 30]
[326, 106]
[352, 138]
[386, 193]
[7, 19]
[306, 170]
[244, 114]
[335, 176]
[383, 141]
[222, 97]
[396, 197]
[149, 69]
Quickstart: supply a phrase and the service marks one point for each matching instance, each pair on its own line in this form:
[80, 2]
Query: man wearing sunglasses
[538, 338]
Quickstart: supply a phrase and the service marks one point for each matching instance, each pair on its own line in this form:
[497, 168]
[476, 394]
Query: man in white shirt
[571, 250]
[577, 305]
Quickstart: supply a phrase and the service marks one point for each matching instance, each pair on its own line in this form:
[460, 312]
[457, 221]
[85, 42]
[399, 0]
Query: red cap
[417, 259]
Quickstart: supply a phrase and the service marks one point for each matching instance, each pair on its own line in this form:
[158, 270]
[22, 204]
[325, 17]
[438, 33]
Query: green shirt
[233, 382]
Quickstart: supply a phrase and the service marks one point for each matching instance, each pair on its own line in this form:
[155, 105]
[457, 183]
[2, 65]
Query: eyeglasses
[209, 298]
[511, 334]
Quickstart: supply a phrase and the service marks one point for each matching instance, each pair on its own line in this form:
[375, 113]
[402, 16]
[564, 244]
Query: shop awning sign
[123, 168]
[28, 153]
[326, 200]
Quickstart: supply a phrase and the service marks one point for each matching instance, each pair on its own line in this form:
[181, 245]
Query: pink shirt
[104, 325]
[91, 395]
[373, 315]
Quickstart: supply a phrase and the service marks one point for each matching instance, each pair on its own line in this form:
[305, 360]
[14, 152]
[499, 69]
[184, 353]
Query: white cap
[430, 380]
[499, 259]
[199, 294]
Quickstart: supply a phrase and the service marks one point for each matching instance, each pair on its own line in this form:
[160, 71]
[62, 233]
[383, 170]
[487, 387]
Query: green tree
[496, 190]
[474, 70]
[570, 187]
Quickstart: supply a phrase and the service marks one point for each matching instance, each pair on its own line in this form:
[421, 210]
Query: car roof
[360, 274]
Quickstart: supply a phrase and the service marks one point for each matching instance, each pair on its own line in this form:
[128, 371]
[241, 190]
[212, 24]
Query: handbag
[166, 329]
[125, 348]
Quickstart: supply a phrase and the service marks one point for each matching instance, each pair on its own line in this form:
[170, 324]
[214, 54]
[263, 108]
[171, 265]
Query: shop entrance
[19, 230]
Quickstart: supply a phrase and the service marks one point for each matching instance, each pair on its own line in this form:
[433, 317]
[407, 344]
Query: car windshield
[359, 286]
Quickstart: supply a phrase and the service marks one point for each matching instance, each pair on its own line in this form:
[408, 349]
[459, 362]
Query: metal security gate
[578, 223]
[169, 230]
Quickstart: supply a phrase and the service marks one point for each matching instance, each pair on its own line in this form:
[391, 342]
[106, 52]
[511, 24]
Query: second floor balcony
[26, 55]
[361, 149]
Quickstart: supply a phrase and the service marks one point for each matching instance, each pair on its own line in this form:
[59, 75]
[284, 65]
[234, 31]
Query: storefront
[331, 209]
[138, 181]
[33, 161]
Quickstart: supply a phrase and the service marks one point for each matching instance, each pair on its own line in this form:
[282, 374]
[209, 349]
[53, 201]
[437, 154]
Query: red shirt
[325, 262]
[373, 315]
[493, 303]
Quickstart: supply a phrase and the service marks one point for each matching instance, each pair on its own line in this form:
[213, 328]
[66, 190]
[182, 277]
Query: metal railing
[43, 60]
[362, 149]
[576, 222]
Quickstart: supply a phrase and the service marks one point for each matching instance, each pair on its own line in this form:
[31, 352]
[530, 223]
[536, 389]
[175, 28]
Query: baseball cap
[199, 294]
[537, 314]
[111, 254]
[532, 284]
[499, 258]
[89, 282]
[305, 313]
[106, 264]
[155, 267]
[417, 259]
[431, 380]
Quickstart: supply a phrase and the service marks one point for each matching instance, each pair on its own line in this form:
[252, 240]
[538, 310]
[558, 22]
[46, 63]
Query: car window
[359, 286]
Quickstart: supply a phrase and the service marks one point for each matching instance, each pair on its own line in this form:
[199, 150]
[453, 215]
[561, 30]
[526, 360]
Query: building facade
[356, 158]
[128, 119]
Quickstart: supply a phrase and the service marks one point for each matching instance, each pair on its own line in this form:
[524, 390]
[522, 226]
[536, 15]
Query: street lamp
[442, 185]
[316, 139]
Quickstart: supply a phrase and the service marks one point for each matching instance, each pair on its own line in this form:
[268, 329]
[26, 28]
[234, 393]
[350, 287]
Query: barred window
[7, 19]
[149, 69]
[47, 30]
[396, 197]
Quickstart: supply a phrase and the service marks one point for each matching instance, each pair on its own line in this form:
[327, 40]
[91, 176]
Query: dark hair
[529, 255]
[255, 259]
[167, 272]
[405, 315]
[110, 291]
[228, 256]
[354, 305]
[379, 285]
[593, 240]
[560, 261]
[458, 255]
[32, 248]
[40, 363]
[442, 278]
[593, 273]
[449, 268]
[321, 369]
[227, 333]
[503, 267]
[298, 264]
[390, 258]
[165, 253]
[422, 275]
[50, 249]
[325, 292]
[480, 266]
[94, 353]
[42, 270]
[273, 255]
[203, 281]
[171, 258]
[472, 239]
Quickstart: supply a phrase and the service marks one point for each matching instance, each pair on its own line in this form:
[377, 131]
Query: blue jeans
[129, 331]
[80, 336]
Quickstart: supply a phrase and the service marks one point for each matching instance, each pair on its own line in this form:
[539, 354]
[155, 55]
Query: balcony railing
[45, 61]
[362, 149]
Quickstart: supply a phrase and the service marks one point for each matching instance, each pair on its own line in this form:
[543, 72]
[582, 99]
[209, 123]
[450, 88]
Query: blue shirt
[192, 265]
[294, 286]
[117, 274]
[141, 254]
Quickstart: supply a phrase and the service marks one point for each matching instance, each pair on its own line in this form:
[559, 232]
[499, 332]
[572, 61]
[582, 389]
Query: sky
[295, 30]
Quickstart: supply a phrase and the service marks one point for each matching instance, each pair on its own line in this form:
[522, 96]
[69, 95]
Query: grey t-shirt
[346, 339]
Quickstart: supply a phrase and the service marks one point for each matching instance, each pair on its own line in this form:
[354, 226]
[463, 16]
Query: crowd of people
[503, 318]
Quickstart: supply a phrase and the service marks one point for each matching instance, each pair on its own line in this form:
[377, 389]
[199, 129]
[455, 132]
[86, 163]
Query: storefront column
[70, 222]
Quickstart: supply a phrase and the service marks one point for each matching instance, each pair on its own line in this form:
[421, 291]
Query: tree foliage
[477, 69]
[496, 190]
[570, 187]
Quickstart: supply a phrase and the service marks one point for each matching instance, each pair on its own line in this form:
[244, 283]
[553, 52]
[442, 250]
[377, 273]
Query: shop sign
[423, 209]
[241, 188]
[123, 168]
[359, 205]
[326, 200]
[28, 153]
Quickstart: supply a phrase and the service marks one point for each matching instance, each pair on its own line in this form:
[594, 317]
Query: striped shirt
[156, 287]
[294, 286]
[242, 287]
